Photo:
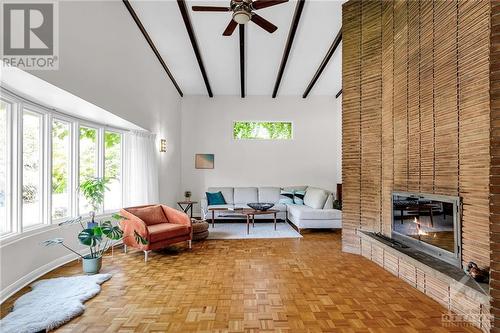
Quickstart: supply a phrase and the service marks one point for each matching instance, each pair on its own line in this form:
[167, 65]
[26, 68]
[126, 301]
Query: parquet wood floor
[278, 285]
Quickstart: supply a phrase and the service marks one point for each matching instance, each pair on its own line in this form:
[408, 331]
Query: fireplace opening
[428, 222]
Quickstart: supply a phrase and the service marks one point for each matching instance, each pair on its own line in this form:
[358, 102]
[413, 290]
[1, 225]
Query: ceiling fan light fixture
[241, 17]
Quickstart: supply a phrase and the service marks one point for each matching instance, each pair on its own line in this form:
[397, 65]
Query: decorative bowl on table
[262, 206]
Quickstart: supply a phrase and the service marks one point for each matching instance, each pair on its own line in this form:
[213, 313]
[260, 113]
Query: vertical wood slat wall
[494, 164]
[351, 143]
[416, 112]
[387, 112]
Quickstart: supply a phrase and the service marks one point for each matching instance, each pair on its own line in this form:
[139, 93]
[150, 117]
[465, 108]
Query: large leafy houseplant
[98, 236]
[93, 190]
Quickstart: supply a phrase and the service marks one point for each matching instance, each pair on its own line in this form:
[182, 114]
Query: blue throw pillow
[215, 198]
[298, 197]
[286, 197]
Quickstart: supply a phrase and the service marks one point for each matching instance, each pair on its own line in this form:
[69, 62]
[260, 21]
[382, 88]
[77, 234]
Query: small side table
[188, 207]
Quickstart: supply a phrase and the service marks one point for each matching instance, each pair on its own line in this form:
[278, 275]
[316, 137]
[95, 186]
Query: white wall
[105, 60]
[313, 157]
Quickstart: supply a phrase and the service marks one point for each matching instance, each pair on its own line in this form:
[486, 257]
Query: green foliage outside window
[112, 157]
[59, 170]
[262, 130]
[60, 131]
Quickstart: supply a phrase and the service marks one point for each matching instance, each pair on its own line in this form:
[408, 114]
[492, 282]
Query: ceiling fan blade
[230, 28]
[263, 23]
[259, 4]
[210, 9]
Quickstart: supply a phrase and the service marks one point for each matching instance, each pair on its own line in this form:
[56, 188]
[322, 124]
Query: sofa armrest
[130, 224]
[204, 208]
[175, 216]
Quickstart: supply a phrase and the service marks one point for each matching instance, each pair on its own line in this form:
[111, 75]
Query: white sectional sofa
[316, 212]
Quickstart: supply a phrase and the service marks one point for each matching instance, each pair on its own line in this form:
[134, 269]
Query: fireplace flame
[420, 231]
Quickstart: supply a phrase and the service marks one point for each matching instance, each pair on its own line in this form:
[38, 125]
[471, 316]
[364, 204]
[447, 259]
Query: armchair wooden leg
[124, 248]
[146, 254]
[190, 244]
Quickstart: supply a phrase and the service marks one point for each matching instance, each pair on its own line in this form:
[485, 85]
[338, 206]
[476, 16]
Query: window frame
[33, 109]
[14, 202]
[292, 138]
[9, 186]
[98, 161]
[71, 171]
[122, 141]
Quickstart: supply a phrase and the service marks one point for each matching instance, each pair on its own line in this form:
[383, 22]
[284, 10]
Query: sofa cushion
[278, 206]
[315, 197]
[163, 231]
[308, 213]
[245, 194]
[215, 198]
[286, 197]
[226, 206]
[227, 193]
[281, 207]
[298, 197]
[269, 194]
[295, 188]
[151, 215]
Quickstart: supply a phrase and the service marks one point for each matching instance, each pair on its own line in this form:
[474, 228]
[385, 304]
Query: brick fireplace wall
[416, 112]
[416, 116]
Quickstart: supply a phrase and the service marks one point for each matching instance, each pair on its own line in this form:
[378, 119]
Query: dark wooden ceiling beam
[242, 59]
[291, 36]
[339, 93]
[192, 37]
[152, 45]
[323, 64]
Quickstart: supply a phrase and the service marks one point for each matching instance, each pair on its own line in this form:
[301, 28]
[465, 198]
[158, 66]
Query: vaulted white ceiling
[320, 22]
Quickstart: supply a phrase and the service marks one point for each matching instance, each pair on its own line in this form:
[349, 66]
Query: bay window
[112, 170]
[32, 190]
[88, 161]
[5, 221]
[61, 169]
[44, 156]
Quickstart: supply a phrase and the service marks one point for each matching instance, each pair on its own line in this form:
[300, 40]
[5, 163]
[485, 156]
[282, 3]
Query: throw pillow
[215, 198]
[329, 202]
[315, 198]
[150, 215]
[298, 197]
[286, 197]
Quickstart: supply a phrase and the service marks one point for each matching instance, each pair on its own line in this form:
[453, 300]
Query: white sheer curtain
[140, 169]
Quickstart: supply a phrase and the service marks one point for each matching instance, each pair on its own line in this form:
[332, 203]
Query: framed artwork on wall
[204, 161]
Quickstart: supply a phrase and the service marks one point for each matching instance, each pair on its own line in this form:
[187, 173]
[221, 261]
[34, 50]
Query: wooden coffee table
[248, 212]
[252, 212]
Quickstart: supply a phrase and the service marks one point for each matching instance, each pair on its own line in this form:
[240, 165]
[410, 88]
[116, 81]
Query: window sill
[39, 229]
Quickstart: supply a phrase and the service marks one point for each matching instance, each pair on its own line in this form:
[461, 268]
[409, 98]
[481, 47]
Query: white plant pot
[91, 265]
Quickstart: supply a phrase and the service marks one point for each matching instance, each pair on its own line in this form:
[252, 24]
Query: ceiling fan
[243, 13]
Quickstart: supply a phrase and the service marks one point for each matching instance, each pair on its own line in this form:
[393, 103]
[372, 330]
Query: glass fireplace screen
[425, 219]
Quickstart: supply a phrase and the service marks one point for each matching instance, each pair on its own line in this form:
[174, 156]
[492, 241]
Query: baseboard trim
[37, 273]
[33, 275]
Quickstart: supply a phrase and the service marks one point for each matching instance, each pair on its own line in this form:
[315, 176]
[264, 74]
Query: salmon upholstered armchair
[159, 225]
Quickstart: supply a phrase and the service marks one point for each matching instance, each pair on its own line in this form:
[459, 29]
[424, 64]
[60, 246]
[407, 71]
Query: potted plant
[93, 190]
[99, 239]
[98, 236]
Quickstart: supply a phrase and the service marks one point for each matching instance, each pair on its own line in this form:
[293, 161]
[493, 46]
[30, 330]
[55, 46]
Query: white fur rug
[52, 303]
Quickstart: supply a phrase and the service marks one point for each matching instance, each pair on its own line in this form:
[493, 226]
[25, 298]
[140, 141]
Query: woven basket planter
[200, 229]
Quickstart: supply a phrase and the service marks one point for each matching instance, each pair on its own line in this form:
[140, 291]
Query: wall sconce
[163, 145]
